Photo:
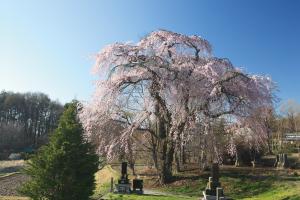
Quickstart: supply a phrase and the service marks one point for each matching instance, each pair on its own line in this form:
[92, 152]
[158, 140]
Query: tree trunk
[166, 146]
[166, 160]
[131, 166]
[237, 160]
[154, 152]
[269, 143]
[203, 161]
[162, 154]
[183, 155]
[177, 161]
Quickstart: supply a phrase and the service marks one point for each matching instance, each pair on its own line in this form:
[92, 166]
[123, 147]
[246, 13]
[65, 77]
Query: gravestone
[213, 190]
[219, 193]
[124, 175]
[213, 181]
[123, 185]
[137, 186]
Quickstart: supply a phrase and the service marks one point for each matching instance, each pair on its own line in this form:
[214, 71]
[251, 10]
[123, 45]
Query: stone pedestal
[123, 188]
[211, 197]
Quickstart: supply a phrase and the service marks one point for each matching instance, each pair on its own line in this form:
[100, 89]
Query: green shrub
[64, 169]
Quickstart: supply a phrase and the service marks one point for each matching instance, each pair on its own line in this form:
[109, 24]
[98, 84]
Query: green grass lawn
[284, 193]
[238, 183]
[243, 185]
[272, 187]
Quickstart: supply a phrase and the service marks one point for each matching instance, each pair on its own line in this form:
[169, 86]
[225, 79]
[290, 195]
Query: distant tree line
[26, 119]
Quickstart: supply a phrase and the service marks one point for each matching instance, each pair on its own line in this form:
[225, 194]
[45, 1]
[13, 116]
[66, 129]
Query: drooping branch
[171, 80]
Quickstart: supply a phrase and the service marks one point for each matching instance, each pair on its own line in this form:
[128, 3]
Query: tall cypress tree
[64, 169]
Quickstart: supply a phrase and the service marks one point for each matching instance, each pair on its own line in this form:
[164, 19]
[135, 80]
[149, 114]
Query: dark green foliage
[65, 168]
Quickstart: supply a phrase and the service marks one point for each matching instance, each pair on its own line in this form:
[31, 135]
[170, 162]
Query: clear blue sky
[46, 45]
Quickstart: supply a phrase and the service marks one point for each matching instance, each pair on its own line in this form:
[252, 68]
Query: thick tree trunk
[162, 154]
[166, 146]
[166, 160]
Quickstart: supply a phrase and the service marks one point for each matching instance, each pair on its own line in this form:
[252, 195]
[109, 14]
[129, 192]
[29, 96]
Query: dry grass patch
[9, 166]
[13, 198]
[103, 179]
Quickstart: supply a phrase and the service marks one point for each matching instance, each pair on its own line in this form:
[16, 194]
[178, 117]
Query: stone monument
[213, 181]
[137, 186]
[213, 190]
[123, 185]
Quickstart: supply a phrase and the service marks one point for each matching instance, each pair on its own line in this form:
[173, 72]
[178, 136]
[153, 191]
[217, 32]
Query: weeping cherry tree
[163, 86]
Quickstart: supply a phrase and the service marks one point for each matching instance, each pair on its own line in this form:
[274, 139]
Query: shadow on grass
[239, 186]
[294, 197]
[245, 186]
[10, 169]
[236, 184]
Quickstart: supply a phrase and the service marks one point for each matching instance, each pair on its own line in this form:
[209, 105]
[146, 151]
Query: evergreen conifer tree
[64, 169]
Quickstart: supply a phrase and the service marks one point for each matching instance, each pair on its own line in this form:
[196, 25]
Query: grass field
[238, 183]
[244, 184]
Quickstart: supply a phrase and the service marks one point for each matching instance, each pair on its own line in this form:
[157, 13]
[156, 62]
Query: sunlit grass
[243, 185]
[280, 191]
[238, 184]
[103, 179]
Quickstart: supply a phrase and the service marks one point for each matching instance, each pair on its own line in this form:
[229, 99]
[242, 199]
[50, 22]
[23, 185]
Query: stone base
[138, 191]
[123, 188]
[211, 197]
